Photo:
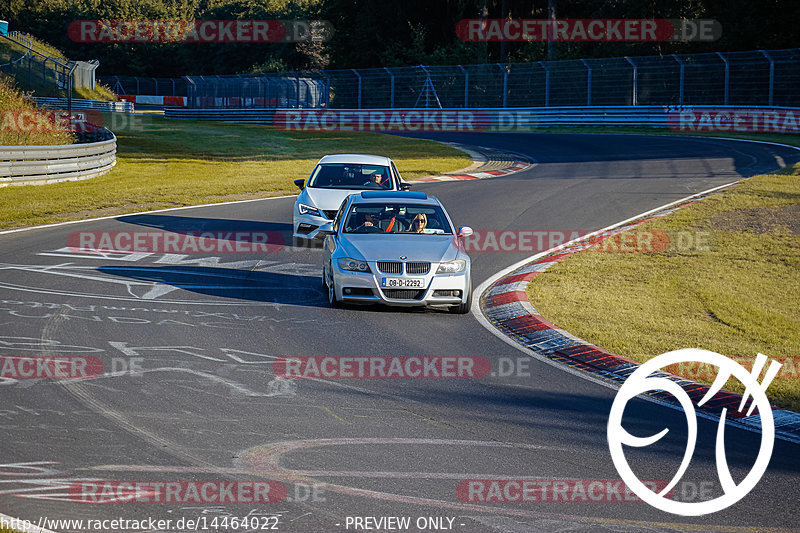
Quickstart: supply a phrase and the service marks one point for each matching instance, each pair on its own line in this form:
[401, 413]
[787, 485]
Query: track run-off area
[183, 392]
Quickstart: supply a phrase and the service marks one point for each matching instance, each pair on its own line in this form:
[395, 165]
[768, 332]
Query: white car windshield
[351, 176]
[397, 218]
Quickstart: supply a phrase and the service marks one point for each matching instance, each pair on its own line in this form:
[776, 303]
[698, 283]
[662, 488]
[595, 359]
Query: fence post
[391, 87]
[359, 86]
[727, 76]
[771, 74]
[680, 87]
[327, 89]
[466, 86]
[190, 91]
[635, 80]
[588, 82]
[505, 82]
[546, 83]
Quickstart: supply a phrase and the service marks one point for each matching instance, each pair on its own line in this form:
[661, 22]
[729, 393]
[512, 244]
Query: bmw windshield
[351, 176]
[397, 218]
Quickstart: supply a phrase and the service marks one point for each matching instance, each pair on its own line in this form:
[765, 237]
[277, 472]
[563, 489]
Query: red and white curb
[505, 304]
[174, 101]
[516, 163]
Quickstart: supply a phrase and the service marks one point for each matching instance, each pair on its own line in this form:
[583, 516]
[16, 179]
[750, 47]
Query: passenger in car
[418, 223]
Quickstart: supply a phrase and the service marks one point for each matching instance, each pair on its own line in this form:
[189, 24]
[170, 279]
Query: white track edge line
[56, 224]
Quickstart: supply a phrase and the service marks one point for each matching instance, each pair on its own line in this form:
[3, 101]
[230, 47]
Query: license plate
[401, 282]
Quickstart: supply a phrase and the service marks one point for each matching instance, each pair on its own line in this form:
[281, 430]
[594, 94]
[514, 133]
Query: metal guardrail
[38, 165]
[459, 119]
[80, 103]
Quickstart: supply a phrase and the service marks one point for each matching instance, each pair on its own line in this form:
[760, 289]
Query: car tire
[463, 309]
[332, 293]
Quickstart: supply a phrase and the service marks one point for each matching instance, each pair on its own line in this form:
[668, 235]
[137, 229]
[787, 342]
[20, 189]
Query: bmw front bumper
[436, 289]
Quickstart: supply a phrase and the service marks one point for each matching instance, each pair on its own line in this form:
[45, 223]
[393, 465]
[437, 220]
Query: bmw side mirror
[464, 231]
[326, 229]
[405, 186]
[300, 183]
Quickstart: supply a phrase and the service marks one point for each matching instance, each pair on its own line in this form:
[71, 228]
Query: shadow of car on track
[254, 285]
[278, 234]
[251, 285]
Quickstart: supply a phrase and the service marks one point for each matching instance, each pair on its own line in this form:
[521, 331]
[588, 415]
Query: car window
[398, 177]
[397, 219]
[337, 221]
[351, 176]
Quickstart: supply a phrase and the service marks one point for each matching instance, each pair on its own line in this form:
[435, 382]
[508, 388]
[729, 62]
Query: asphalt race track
[188, 392]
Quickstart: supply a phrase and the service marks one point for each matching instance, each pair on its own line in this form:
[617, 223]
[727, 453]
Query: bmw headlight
[308, 210]
[345, 263]
[451, 267]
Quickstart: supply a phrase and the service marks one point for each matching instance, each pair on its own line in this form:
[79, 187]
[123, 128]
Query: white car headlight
[451, 267]
[308, 210]
[345, 263]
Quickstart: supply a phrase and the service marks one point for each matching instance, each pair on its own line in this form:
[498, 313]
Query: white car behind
[334, 178]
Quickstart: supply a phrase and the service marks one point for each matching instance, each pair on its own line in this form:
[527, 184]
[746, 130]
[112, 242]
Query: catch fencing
[761, 77]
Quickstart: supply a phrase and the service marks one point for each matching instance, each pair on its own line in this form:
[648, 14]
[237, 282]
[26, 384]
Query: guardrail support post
[771, 75]
[588, 82]
[727, 75]
[466, 86]
[546, 83]
[680, 87]
[391, 87]
[505, 82]
[359, 86]
[634, 96]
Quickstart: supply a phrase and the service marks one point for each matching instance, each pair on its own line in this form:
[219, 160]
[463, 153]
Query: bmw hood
[372, 247]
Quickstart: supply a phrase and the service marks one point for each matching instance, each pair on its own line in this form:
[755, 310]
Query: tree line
[386, 33]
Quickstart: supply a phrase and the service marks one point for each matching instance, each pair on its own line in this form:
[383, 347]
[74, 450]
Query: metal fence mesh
[734, 78]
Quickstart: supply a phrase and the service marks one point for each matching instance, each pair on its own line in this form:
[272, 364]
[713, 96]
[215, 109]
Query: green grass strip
[737, 295]
[169, 163]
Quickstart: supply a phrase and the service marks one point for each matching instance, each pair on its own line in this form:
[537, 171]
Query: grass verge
[738, 296]
[170, 163]
[12, 103]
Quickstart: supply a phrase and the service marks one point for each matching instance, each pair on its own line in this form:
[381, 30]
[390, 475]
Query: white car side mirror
[464, 231]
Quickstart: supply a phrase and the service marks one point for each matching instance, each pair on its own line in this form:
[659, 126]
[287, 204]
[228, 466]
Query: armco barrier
[38, 165]
[683, 118]
[80, 103]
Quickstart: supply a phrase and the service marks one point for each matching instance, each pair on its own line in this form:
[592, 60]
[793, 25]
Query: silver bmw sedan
[396, 248]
